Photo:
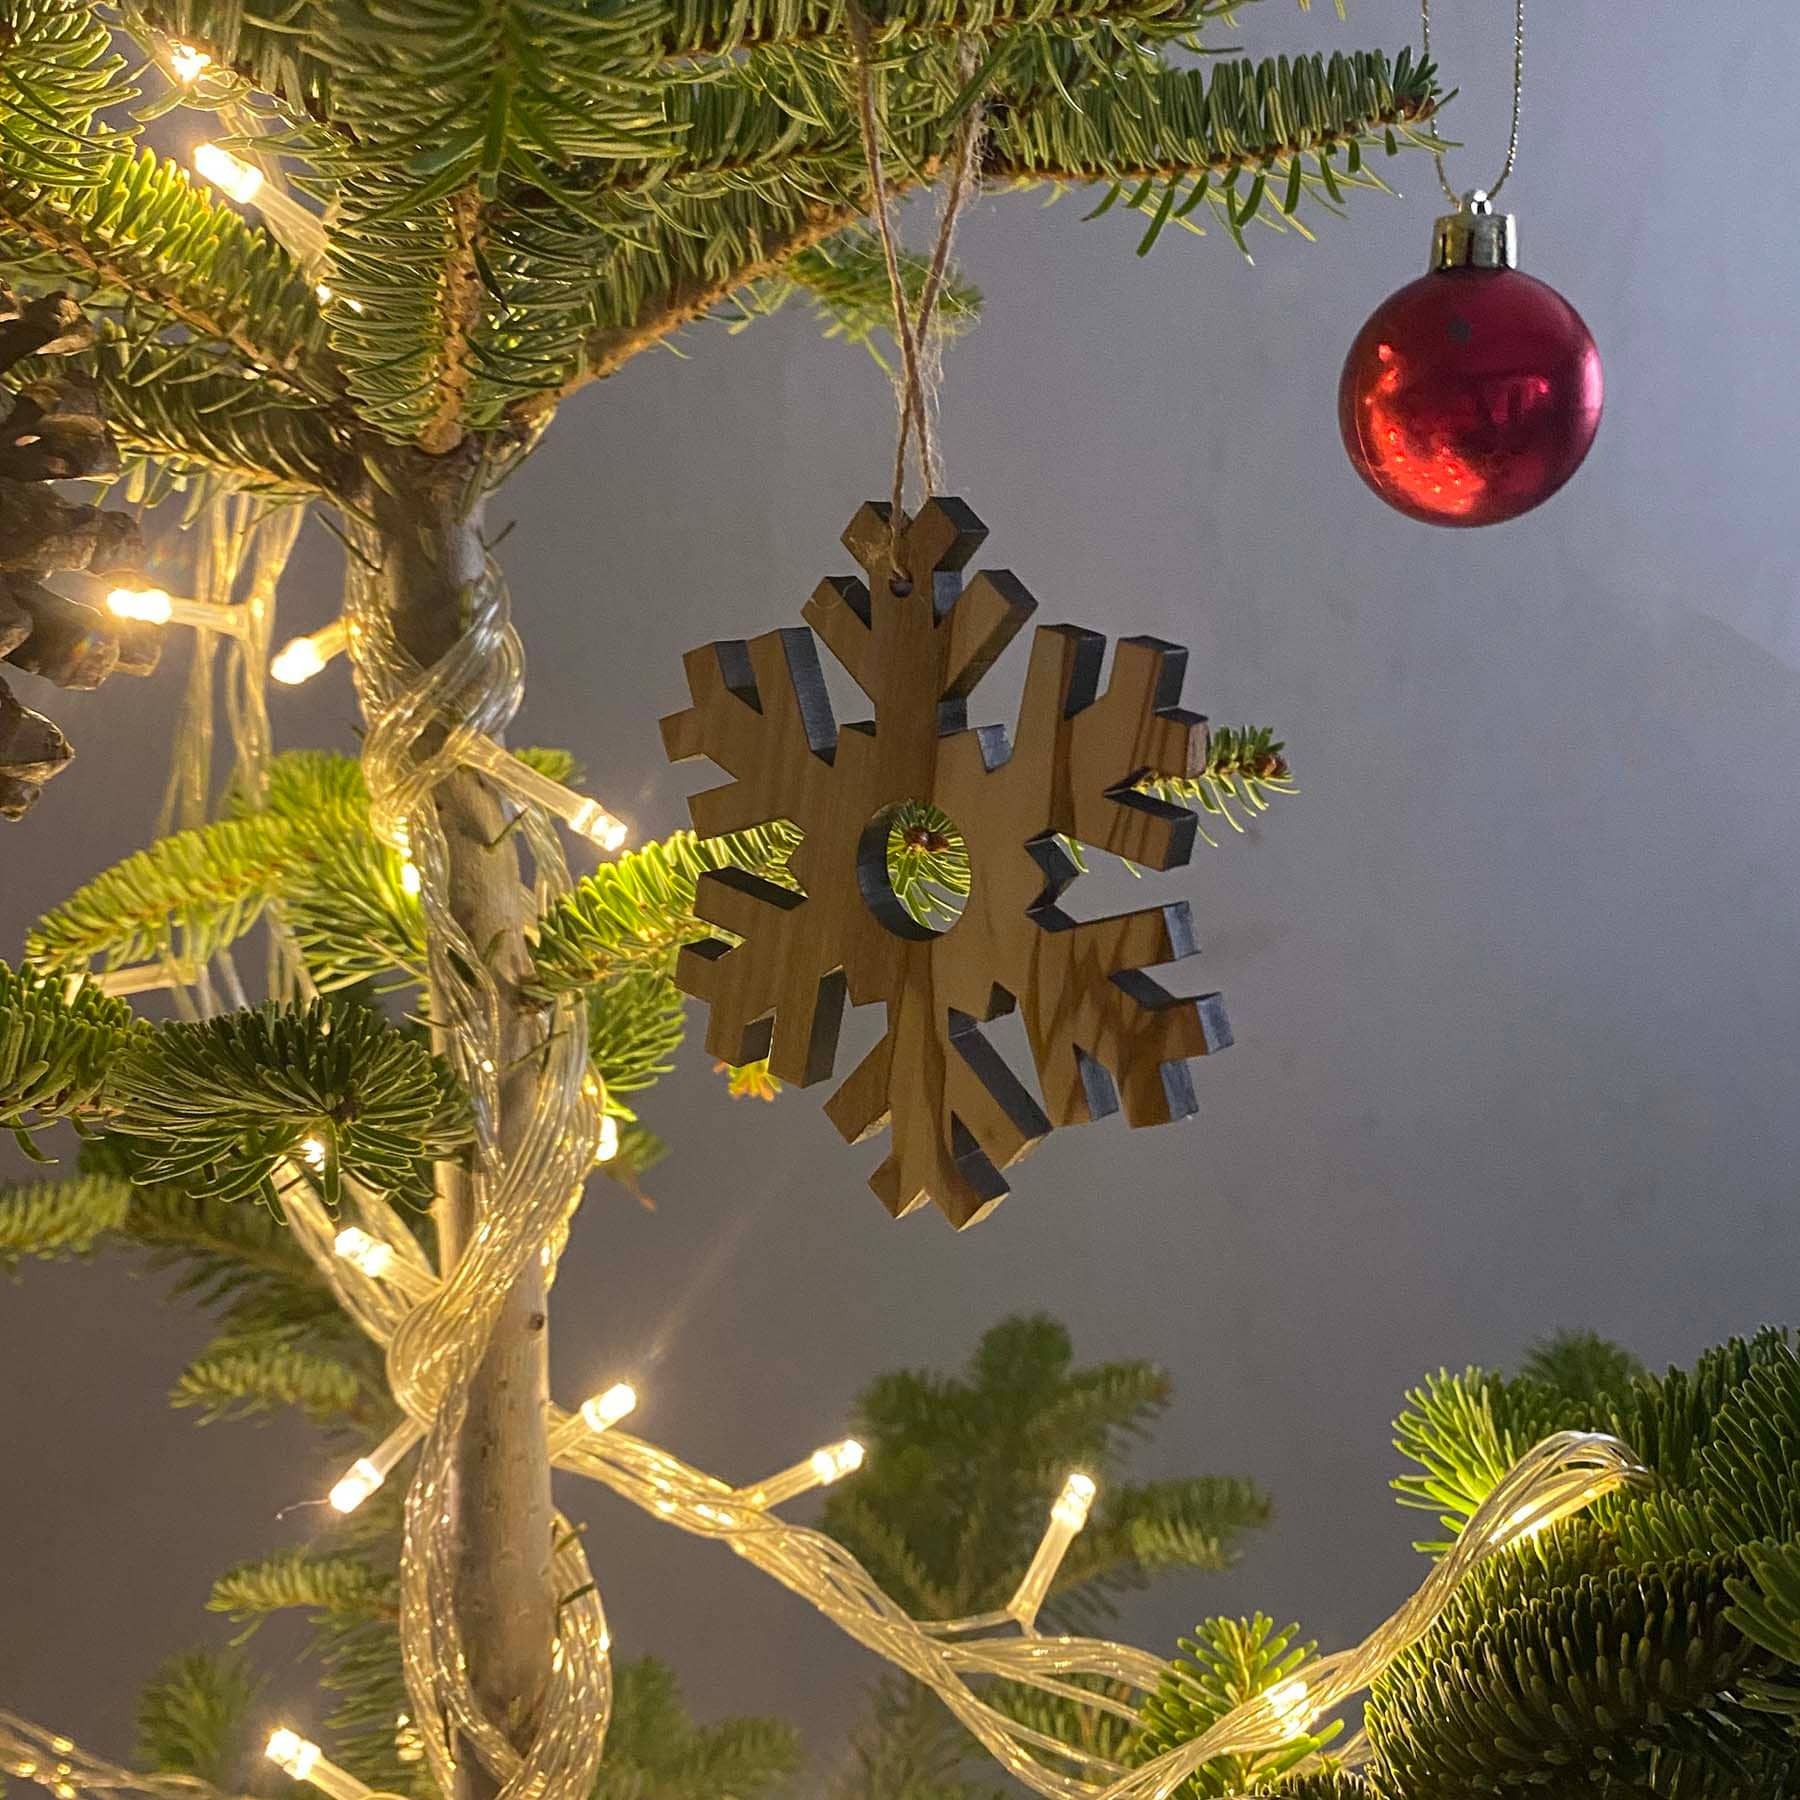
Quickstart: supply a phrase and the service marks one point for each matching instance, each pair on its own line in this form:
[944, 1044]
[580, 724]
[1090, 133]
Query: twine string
[914, 330]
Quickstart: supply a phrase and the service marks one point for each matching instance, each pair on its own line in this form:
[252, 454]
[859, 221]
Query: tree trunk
[431, 555]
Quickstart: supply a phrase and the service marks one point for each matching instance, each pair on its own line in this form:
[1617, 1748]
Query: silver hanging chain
[1518, 86]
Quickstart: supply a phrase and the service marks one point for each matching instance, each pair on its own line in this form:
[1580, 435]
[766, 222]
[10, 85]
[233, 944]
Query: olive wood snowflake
[1102, 1030]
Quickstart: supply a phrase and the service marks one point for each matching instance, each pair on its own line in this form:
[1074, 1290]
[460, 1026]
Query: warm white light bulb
[591, 820]
[361, 1251]
[313, 1152]
[602, 1411]
[227, 173]
[411, 881]
[1073, 1502]
[148, 606]
[187, 63]
[289, 1751]
[301, 658]
[296, 662]
[608, 1146]
[358, 1483]
[1526, 1523]
[834, 1461]
[1290, 1706]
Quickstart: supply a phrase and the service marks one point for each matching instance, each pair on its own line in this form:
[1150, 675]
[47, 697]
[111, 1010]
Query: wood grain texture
[1104, 1034]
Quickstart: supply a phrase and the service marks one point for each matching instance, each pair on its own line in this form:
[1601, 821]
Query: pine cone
[55, 431]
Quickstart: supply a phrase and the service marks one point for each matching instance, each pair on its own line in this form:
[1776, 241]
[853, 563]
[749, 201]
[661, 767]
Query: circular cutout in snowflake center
[912, 865]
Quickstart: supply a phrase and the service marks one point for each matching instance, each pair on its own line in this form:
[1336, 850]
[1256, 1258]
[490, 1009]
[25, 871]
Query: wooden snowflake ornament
[1103, 1032]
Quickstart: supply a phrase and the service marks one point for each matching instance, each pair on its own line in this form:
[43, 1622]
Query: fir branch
[193, 1715]
[222, 1251]
[1226, 1663]
[679, 271]
[703, 29]
[326, 1587]
[268, 55]
[58, 70]
[635, 1025]
[1657, 1663]
[190, 894]
[311, 848]
[1143, 1530]
[637, 911]
[144, 230]
[459, 315]
[656, 1748]
[57, 1050]
[237, 1376]
[1223, 121]
[1584, 1366]
[220, 1103]
[195, 414]
[845, 279]
[1244, 766]
[47, 1220]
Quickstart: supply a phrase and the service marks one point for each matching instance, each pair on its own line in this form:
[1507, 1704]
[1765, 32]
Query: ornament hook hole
[899, 587]
[912, 867]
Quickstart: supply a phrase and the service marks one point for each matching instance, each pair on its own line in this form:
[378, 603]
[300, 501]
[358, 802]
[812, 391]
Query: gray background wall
[1515, 979]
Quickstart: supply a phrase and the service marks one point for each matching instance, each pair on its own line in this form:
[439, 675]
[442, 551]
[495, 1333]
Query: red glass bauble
[1470, 396]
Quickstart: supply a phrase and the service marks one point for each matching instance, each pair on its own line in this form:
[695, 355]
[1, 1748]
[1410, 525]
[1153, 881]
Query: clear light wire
[435, 1329]
[424, 724]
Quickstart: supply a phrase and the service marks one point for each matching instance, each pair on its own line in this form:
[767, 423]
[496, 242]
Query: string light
[137, 978]
[229, 174]
[187, 63]
[584, 816]
[369, 1254]
[327, 294]
[367, 1473]
[376, 1257]
[302, 1760]
[522, 1200]
[1067, 1516]
[313, 1153]
[829, 1463]
[411, 881]
[301, 658]
[597, 1414]
[608, 1146]
[1289, 1706]
[600, 1412]
[298, 230]
[153, 606]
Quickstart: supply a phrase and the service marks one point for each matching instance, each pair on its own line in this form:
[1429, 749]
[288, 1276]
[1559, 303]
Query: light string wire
[918, 335]
[1553, 1481]
[1518, 91]
[422, 726]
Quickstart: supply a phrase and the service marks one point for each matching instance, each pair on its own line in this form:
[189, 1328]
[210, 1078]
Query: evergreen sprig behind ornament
[1102, 1031]
[54, 431]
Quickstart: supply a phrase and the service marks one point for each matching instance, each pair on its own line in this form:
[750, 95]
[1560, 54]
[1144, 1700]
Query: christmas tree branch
[459, 316]
[694, 295]
[695, 33]
[144, 230]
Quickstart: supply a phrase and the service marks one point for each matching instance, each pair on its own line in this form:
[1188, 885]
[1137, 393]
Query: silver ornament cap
[1475, 236]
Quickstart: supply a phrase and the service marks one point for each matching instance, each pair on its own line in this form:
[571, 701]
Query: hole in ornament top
[912, 866]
